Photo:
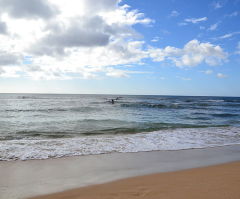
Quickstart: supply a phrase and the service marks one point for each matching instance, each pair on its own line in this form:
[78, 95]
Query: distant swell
[172, 105]
[232, 100]
[149, 105]
[47, 110]
[224, 115]
[232, 105]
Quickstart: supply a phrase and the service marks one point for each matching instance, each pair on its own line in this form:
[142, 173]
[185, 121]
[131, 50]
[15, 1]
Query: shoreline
[218, 181]
[21, 179]
[99, 154]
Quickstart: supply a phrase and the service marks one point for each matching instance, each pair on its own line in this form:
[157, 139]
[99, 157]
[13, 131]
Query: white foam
[159, 140]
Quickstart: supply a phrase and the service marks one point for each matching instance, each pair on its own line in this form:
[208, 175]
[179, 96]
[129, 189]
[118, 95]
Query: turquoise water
[36, 126]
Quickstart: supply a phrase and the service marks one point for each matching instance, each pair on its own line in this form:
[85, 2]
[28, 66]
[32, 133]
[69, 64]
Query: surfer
[113, 100]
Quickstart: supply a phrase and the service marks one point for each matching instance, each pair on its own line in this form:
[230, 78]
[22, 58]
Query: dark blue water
[45, 122]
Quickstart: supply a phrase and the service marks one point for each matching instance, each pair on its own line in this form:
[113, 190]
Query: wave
[232, 105]
[48, 110]
[35, 110]
[213, 100]
[45, 134]
[174, 139]
[234, 121]
[200, 104]
[150, 105]
[140, 129]
[27, 97]
[224, 115]
[197, 118]
[123, 128]
[178, 105]
[232, 100]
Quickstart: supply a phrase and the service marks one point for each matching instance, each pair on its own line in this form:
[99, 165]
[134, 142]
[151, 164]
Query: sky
[151, 47]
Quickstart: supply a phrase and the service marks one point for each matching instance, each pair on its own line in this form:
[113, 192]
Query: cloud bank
[49, 39]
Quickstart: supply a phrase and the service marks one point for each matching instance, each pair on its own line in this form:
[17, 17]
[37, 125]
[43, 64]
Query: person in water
[112, 101]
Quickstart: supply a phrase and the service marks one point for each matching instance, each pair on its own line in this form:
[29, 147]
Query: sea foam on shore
[175, 139]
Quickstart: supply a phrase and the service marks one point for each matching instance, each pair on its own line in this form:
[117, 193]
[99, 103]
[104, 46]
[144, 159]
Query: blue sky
[177, 47]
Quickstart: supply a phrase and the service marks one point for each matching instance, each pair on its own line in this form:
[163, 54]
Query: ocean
[41, 126]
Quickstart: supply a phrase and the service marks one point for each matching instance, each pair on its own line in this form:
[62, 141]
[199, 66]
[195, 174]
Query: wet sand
[22, 179]
[221, 181]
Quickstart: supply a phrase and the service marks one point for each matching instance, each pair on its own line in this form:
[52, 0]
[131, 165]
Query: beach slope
[221, 181]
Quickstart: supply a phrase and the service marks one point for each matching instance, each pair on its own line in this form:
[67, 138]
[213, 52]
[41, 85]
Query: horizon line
[119, 94]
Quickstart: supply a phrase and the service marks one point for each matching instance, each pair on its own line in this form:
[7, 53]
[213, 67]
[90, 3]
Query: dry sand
[221, 182]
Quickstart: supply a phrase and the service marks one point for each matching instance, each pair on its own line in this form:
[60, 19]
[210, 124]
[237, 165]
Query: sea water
[40, 126]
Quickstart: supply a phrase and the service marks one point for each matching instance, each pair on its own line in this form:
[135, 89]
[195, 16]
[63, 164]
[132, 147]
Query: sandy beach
[24, 179]
[221, 181]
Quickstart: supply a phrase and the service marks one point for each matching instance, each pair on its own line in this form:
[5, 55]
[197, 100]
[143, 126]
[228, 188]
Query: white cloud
[3, 27]
[217, 5]
[113, 72]
[155, 39]
[233, 14]
[165, 32]
[116, 73]
[207, 72]
[195, 20]
[228, 35]
[28, 8]
[7, 58]
[182, 24]
[174, 13]
[68, 39]
[82, 32]
[192, 54]
[221, 75]
[213, 27]
[10, 71]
